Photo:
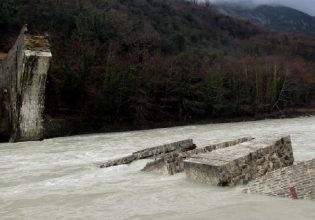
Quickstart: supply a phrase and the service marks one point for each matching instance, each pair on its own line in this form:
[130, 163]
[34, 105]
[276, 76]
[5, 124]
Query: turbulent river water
[59, 178]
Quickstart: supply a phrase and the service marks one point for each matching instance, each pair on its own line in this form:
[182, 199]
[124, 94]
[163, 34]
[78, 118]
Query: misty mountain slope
[276, 18]
[139, 63]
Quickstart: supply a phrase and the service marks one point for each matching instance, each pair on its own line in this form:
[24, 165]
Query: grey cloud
[307, 6]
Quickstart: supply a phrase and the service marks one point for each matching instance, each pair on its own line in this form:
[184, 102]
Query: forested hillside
[272, 17]
[142, 62]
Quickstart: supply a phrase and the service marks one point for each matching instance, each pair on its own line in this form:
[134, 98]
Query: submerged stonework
[300, 177]
[23, 75]
[265, 163]
[240, 163]
[173, 163]
[175, 147]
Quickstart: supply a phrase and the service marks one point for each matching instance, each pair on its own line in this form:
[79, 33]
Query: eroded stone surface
[240, 163]
[177, 147]
[23, 75]
[119, 161]
[173, 162]
[279, 182]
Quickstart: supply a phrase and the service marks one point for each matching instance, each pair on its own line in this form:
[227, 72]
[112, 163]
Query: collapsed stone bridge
[23, 74]
[265, 163]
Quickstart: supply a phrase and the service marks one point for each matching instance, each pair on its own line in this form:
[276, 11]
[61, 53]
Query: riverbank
[61, 126]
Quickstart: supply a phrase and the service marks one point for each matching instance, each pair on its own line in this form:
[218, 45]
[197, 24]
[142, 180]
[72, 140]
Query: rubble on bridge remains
[175, 147]
[240, 163]
[172, 163]
[266, 163]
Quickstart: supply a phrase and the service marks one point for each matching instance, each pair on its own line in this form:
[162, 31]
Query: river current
[59, 178]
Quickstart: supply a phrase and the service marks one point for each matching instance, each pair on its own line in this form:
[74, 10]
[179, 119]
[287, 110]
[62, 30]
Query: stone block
[119, 161]
[172, 163]
[240, 163]
[177, 147]
[23, 74]
[278, 183]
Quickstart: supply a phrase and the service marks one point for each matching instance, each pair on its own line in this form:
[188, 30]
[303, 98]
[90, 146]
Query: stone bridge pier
[23, 74]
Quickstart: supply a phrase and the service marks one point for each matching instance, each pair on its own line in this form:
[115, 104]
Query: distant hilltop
[123, 65]
[273, 17]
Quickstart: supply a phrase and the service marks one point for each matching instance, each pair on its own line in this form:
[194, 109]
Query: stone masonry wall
[280, 182]
[24, 73]
[240, 163]
[173, 162]
[176, 147]
[10, 67]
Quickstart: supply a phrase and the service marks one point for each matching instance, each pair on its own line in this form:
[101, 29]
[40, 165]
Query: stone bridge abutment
[23, 74]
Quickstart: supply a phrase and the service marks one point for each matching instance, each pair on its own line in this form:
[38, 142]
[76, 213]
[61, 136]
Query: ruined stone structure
[175, 147]
[300, 177]
[240, 163]
[173, 162]
[265, 163]
[23, 74]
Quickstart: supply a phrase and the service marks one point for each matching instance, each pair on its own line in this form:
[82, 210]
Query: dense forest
[146, 62]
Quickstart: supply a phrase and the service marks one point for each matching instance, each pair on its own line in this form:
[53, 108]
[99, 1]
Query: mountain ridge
[277, 18]
[134, 63]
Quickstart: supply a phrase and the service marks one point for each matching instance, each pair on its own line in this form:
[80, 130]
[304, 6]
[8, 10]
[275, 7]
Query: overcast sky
[307, 6]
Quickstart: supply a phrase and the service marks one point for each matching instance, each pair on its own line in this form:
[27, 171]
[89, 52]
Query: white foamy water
[59, 178]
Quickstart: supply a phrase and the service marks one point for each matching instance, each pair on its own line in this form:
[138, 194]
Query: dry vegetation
[151, 61]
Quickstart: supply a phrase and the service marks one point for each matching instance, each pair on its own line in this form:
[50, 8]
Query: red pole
[293, 193]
